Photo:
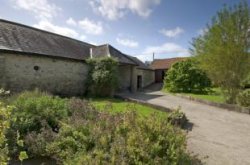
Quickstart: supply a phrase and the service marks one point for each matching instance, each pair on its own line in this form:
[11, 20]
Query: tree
[103, 76]
[185, 76]
[223, 50]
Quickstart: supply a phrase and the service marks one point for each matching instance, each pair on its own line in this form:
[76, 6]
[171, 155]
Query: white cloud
[83, 37]
[71, 21]
[48, 26]
[165, 50]
[127, 42]
[145, 57]
[172, 32]
[114, 9]
[91, 27]
[42, 9]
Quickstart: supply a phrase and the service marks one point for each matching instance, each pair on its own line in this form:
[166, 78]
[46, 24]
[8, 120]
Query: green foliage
[243, 98]
[103, 76]
[223, 51]
[185, 76]
[35, 109]
[22, 156]
[36, 142]
[32, 112]
[85, 135]
[121, 138]
[177, 118]
[4, 125]
[246, 82]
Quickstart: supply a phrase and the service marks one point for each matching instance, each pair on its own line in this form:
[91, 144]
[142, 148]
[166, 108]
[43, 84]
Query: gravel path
[218, 136]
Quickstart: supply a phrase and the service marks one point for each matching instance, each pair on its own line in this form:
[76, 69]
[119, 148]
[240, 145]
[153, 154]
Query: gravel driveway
[218, 136]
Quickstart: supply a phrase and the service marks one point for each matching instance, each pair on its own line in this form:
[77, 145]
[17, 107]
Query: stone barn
[145, 75]
[31, 58]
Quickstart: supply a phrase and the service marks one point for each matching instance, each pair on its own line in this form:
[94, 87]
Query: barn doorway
[139, 82]
[159, 75]
[162, 75]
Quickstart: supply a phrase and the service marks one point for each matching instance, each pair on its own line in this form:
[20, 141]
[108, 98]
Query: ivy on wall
[103, 76]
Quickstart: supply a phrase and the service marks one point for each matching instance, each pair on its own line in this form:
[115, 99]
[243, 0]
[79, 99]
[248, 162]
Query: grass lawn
[117, 105]
[214, 96]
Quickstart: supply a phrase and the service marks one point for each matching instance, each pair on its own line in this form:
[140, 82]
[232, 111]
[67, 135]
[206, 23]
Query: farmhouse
[160, 67]
[32, 58]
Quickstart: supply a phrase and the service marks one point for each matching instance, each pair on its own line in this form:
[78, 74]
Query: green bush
[243, 99]
[185, 76]
[36, 142]
[246, 82]
[32, 112]
[122, 138]
[4, 125]
[34, 109]
[177, 118]
[103, 76]
[72, 131]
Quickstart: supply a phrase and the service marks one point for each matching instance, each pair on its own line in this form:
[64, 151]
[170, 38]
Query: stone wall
[148, 76]
[58, 76]
[124, 77]
[2, 71]
[128, 77]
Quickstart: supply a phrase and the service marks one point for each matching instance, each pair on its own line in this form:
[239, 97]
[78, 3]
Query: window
[36, 68]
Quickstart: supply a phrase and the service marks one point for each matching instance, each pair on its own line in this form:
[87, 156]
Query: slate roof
[21, 38]
[141, 65]
[109, 51]
[165, 63]
[122, 58]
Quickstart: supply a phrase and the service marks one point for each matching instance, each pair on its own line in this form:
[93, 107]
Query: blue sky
[136, 27]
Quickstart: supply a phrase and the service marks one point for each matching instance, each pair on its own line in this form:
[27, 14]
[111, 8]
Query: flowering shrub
[35, 109]
[94, 137]
[121, 138]
[32, 112]
[72, 131]
[4, 125]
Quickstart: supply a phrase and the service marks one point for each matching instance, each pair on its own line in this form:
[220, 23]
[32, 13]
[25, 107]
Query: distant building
[160, 67]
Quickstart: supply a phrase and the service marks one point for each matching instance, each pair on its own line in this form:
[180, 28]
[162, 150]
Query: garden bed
[92, 131]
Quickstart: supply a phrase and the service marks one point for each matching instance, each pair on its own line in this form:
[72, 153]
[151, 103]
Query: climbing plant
[103, 76]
